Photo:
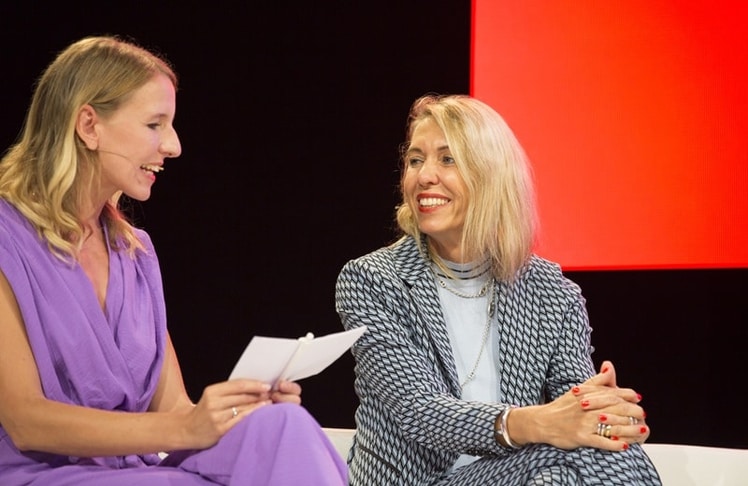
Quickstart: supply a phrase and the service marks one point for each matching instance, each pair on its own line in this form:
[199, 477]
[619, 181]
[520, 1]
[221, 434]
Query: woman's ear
[85, 127]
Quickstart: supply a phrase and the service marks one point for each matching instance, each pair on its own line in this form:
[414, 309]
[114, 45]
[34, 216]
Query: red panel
[635, 116]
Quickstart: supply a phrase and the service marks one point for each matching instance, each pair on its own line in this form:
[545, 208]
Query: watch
[500, 432]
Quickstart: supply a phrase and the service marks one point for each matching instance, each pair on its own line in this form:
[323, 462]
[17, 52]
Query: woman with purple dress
[90, 385]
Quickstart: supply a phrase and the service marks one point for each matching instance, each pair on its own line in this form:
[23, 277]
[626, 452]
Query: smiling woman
[132, 143]
[440, 209]
[89, 378]
[460, 318]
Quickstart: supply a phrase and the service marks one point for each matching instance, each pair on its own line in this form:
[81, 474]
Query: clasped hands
[596, 413]
[612, 416]
[602, 414]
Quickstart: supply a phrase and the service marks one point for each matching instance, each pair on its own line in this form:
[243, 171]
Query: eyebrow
[443, 148]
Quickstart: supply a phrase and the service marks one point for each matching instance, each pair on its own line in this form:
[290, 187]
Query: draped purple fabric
[112, 359]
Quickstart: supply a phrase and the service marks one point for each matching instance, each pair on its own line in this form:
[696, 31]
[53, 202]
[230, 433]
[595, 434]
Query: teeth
[152, 168]
[432, 201]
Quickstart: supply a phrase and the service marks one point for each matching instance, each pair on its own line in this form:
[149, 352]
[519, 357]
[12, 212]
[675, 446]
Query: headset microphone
[114, 153]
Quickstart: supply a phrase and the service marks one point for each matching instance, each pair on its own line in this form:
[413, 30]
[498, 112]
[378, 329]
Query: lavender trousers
[276, 445]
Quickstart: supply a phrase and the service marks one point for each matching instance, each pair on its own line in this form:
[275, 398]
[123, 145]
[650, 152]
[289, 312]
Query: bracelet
[501, 434]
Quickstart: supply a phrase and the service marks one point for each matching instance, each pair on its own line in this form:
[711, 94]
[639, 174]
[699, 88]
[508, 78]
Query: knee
[556, 475]
[283, 414]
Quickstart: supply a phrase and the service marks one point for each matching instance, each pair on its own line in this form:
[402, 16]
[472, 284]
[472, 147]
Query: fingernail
[614, 438]
[638, 395]
[605, 370]
[585, 403]
[644, 414]
[625, 446]
[603, 417]
[575, 390]
[643, 429]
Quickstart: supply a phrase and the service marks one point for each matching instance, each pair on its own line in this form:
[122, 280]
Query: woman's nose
[171, 146]
[428, 174]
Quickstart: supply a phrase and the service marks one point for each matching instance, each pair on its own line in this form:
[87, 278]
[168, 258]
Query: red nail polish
[575, 390]
[625, 446]
[639, 396]
[603, 417]
[585, 403]
[644, 414]
[643, 429]
[614, 438]
[605, 370]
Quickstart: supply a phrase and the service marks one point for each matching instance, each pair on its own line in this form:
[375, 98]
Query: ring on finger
[234, 412]
[633, 421]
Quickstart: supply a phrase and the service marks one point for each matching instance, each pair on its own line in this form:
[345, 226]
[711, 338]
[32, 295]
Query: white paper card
[271, 359]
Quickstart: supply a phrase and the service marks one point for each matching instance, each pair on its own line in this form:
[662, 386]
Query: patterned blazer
[410, 423]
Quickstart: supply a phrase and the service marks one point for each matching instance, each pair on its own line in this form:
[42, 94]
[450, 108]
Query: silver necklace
[489, 317]
[443, 284]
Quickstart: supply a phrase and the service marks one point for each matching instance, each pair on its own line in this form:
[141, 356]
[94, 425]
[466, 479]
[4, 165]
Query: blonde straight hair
[48, 171]
[501, 220]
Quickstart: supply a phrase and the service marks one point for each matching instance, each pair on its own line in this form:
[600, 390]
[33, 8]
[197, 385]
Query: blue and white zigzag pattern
[411, 424]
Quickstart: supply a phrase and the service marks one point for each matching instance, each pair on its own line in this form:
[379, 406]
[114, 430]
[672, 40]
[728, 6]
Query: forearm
[71, 430]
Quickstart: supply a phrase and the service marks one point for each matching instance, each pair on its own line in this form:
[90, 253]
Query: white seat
[341, 439]
[690, 465]
[678, 464]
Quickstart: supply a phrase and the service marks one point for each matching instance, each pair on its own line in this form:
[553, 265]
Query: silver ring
[234, 412]
[633, 421]
[603, 430]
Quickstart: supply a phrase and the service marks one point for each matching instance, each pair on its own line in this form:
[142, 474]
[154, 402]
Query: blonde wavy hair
[501, 220]
[49, 170]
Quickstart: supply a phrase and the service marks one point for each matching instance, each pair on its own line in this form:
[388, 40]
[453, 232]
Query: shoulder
[10, 231]
[392, 260]
[145, 260]
[389, 270]
[16, 231]
[10, 217]
[6, 223]
[144, 238]
[547, 278]
[147, 255]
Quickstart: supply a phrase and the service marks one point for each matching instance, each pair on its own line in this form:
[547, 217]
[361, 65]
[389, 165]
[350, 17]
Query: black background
[290, 116]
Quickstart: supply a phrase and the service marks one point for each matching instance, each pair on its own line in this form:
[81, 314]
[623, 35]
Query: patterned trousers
[544, 465]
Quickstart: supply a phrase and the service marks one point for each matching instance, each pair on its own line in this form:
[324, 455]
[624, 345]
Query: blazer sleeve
[545, 338]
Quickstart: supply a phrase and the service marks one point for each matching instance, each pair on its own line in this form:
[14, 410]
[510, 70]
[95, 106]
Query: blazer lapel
[417, 276]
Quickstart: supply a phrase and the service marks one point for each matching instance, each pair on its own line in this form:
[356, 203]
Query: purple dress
[112, 360]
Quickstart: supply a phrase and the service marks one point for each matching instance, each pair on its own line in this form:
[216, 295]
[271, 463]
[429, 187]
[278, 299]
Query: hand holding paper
[272, 359]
